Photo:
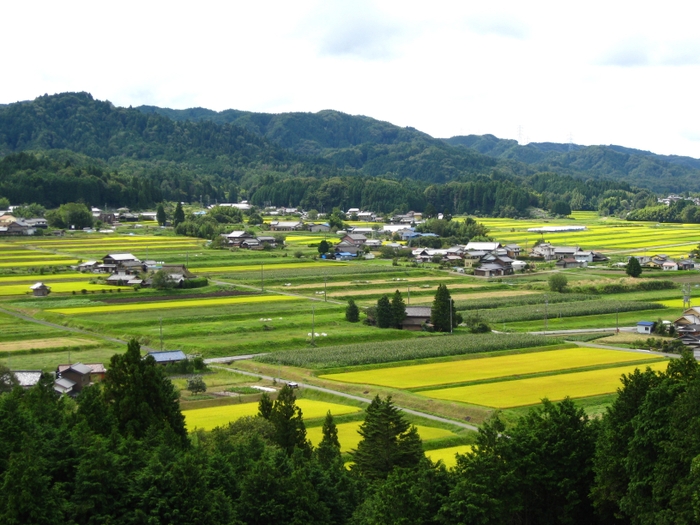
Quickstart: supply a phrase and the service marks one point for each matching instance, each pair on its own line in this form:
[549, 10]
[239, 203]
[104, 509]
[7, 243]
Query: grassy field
[209, 418]
[487, 368]
[522, 392]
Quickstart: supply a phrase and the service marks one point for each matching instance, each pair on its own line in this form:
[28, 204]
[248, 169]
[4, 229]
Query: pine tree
[633, 268]
[161, 217]
[352, 312]
[265, 406]
[384, 313]
[398, 310]
[179, 215]
[388, 441]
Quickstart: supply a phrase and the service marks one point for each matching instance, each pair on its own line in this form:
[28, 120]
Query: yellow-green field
[266, 267]
[53, 342]
[38, 262]
[448, 455]
[523, 392]
[45, 278]
[209, 418]
[678, 303]
[185, 303]
[77, 287]
[487, 368]
[349, 438]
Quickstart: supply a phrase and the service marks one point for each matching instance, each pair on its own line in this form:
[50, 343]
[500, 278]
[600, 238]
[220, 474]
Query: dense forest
[121, 453]
[70, 147]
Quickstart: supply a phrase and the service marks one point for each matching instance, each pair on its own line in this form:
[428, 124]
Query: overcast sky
[624, 73]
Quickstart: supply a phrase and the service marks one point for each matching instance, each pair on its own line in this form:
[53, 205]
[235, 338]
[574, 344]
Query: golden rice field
[54, 342]
[448, 455]
[77, 287]
[349, 438]
[523, 392]
[185, 303]
[488, 367]
[678, 303]
[265, 268]
[212, 417]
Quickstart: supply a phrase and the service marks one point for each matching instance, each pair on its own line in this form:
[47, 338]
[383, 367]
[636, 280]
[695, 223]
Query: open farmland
[448, 455]
[212, 417]
[406, 377]
[349, 437]
[54, 342]
[56, 287]
[530, 391]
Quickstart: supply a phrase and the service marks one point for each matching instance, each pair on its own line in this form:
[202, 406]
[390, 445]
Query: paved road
[68, 328]
[361, 399]
[230, 359]
[584, 331]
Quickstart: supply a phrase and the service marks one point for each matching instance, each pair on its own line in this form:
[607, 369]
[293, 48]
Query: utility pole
[617, 319]
[262, 278]
[313, 324]
[450, 315]
[546, 304]
[409, 295]
[161, 334]
[325, 289]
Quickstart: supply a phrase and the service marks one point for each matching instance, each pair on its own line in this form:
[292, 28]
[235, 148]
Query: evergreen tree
[140, 396]
[384, 312]
[265, 406]
[179, 217]
[328, 450]
[440, 312]
[398, 310]
[161, 216]
[633, 268]
[352, 312]
[388, 441]
[290, 431]
[323, 247]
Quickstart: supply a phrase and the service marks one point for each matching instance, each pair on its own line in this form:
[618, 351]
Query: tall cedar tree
[265, 406]
[633, 268]
[352, 312]
[323, 247]
[286, 416]
[388, 441]
[161, 216]
[140, 396]
[328, 450]
[440, 313]
[398, 310]
[179, 215]
[384, 313]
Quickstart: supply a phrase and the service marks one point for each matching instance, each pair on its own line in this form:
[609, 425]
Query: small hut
[40, 290]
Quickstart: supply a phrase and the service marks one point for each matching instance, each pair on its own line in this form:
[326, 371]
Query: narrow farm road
[280, 292]
[68, 328]
[583, 331]
[359, 398]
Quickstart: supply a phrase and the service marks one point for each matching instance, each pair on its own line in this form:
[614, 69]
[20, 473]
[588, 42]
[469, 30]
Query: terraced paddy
[188, 303]
[38, 262]
[56, 287]
[480, 369]
[265, 267]
[54, 342]
[212, 417]
[349, 437]
[46, 277]
[448, 455]
[523, 392]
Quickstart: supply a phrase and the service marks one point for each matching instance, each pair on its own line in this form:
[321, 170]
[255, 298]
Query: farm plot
[188, 303]
[523, 392]
[57, 287]
[532, 312]
[349, 437]
[46, 277]
[54, 342]
[395, 351]
[38, 262]
[448, 455]
[212, 417]
[265, 267]
[432, 374]
[13, 329]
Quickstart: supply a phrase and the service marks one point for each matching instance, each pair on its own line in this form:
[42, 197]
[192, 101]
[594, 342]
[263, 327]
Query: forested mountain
[70, 147]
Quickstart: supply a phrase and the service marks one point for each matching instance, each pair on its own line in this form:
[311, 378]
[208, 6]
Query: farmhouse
[27, 378]
[345, 247]
[356, 239]
[645, 327]
[119, 261]
[97, 370]
[164, 358]
[236, 238]
[78, 374]
[87, 266]
[315, 228]
[416, 317]
[482, 246]
[16, 227]
[40, 290]
[286, 226]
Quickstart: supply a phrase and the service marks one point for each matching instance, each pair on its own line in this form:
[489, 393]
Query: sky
[621, 72]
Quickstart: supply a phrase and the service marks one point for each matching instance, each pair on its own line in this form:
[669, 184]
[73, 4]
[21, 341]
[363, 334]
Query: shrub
[196, 385]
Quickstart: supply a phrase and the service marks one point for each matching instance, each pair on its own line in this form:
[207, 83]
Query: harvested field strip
[448, 455]
[399, 286]
[378, 282]
[56, 342]
[395, 351]
[523, 392]
[349, 438]
[48, 262]
[209, 418]
[527, 299]
[189, 303]
[266, 267]
[534, 312]
[478, 295]
[432, 374]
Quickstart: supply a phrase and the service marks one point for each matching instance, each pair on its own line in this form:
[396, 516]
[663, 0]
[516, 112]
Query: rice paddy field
[212, 417]
[448, 455]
